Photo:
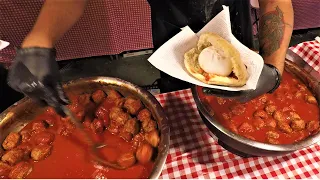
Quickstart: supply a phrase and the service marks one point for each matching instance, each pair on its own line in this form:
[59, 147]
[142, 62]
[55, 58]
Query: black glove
[35, 73]
[269, 81]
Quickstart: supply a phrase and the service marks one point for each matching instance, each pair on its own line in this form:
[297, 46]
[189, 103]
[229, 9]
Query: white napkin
[3, 44]
[169, 58]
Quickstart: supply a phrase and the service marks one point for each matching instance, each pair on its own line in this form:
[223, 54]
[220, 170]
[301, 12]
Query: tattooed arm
[276, 23]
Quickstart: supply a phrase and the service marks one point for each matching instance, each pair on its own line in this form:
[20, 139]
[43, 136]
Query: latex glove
[35, 73]
[268, 82]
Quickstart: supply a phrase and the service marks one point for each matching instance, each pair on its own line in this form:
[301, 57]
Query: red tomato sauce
[292, 97]
[70, 157]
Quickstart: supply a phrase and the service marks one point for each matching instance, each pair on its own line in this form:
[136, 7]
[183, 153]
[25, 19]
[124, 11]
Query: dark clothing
[7, 95]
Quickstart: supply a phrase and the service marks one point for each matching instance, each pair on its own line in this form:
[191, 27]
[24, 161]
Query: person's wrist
[37, 40]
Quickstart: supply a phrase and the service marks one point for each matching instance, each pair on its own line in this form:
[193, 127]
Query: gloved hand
[35, 73]
[268, 82]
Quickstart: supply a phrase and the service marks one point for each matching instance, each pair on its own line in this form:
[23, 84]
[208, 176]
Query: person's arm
[276, 25]
[55, 19]
[34, 71]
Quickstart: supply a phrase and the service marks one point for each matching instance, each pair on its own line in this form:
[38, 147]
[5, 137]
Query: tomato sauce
[70, 157]
[292, 100]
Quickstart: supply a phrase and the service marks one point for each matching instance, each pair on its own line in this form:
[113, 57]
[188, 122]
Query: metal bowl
[247, 147]
[22, 112]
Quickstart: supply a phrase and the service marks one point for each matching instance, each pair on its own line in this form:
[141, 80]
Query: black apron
[168, 16]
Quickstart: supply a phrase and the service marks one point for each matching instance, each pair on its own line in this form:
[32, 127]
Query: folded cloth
[309, 51]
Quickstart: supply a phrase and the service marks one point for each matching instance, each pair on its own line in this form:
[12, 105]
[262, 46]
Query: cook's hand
[269, 81]
[35, 73]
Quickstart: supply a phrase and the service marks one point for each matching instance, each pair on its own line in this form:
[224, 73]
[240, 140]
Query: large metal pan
[249, 147]
[22, 112]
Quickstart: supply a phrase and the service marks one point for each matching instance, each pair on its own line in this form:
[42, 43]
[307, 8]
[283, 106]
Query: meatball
[149, 125]
[112, 94]
[25, 135]
[144, 153]
[302, 87]
[97, 126]
[41, 152]
[258, 123]
[86, 124]
[84, 99]
[98, 96]
[126, 160]
[13, 156]
[311, 100]
[132, 105]
[39, 126]
[238, 109]
[66, 129]
[233, 128]
[144, 114]
[113, 128]
[21, 170]
[137, 139]
[125, 135]
[118, 116]
[260, 114]
[298, 95]
[312, 126]
[273, 141]
[226, 116]
[294, 116]
[270, 108]
[278, 115]
[4, 169]
[152, 138]
[245, 127]
[298, 125]
[263, 99]
[271, 123]
[44, 137]
[284, 127]
[221, 101]
[269, 102]
[26, 147]
[11, 141]
[272, 134]
[132, 126]
[119, 102]
[101, 113]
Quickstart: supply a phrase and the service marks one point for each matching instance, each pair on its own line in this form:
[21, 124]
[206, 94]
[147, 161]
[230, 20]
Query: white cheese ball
[212, 61]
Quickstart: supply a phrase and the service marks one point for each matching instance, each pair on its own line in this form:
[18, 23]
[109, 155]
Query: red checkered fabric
[194, 153]
[107, 27]
[310, 52]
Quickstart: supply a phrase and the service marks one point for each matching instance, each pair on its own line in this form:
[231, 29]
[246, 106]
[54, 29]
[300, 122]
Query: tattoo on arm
[271, 32]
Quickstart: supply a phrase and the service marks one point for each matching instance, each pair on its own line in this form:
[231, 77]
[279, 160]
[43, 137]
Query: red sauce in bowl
[286, 116]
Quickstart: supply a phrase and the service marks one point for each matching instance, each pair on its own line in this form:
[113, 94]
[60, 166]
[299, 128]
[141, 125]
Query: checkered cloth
[106, 27]
[194, 153]
[310, 52]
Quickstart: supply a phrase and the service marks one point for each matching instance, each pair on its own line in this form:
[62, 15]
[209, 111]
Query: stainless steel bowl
[22, 112]
[253, 148]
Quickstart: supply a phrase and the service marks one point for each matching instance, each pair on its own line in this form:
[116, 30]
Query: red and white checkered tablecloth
[195, 154]
[309, 51]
